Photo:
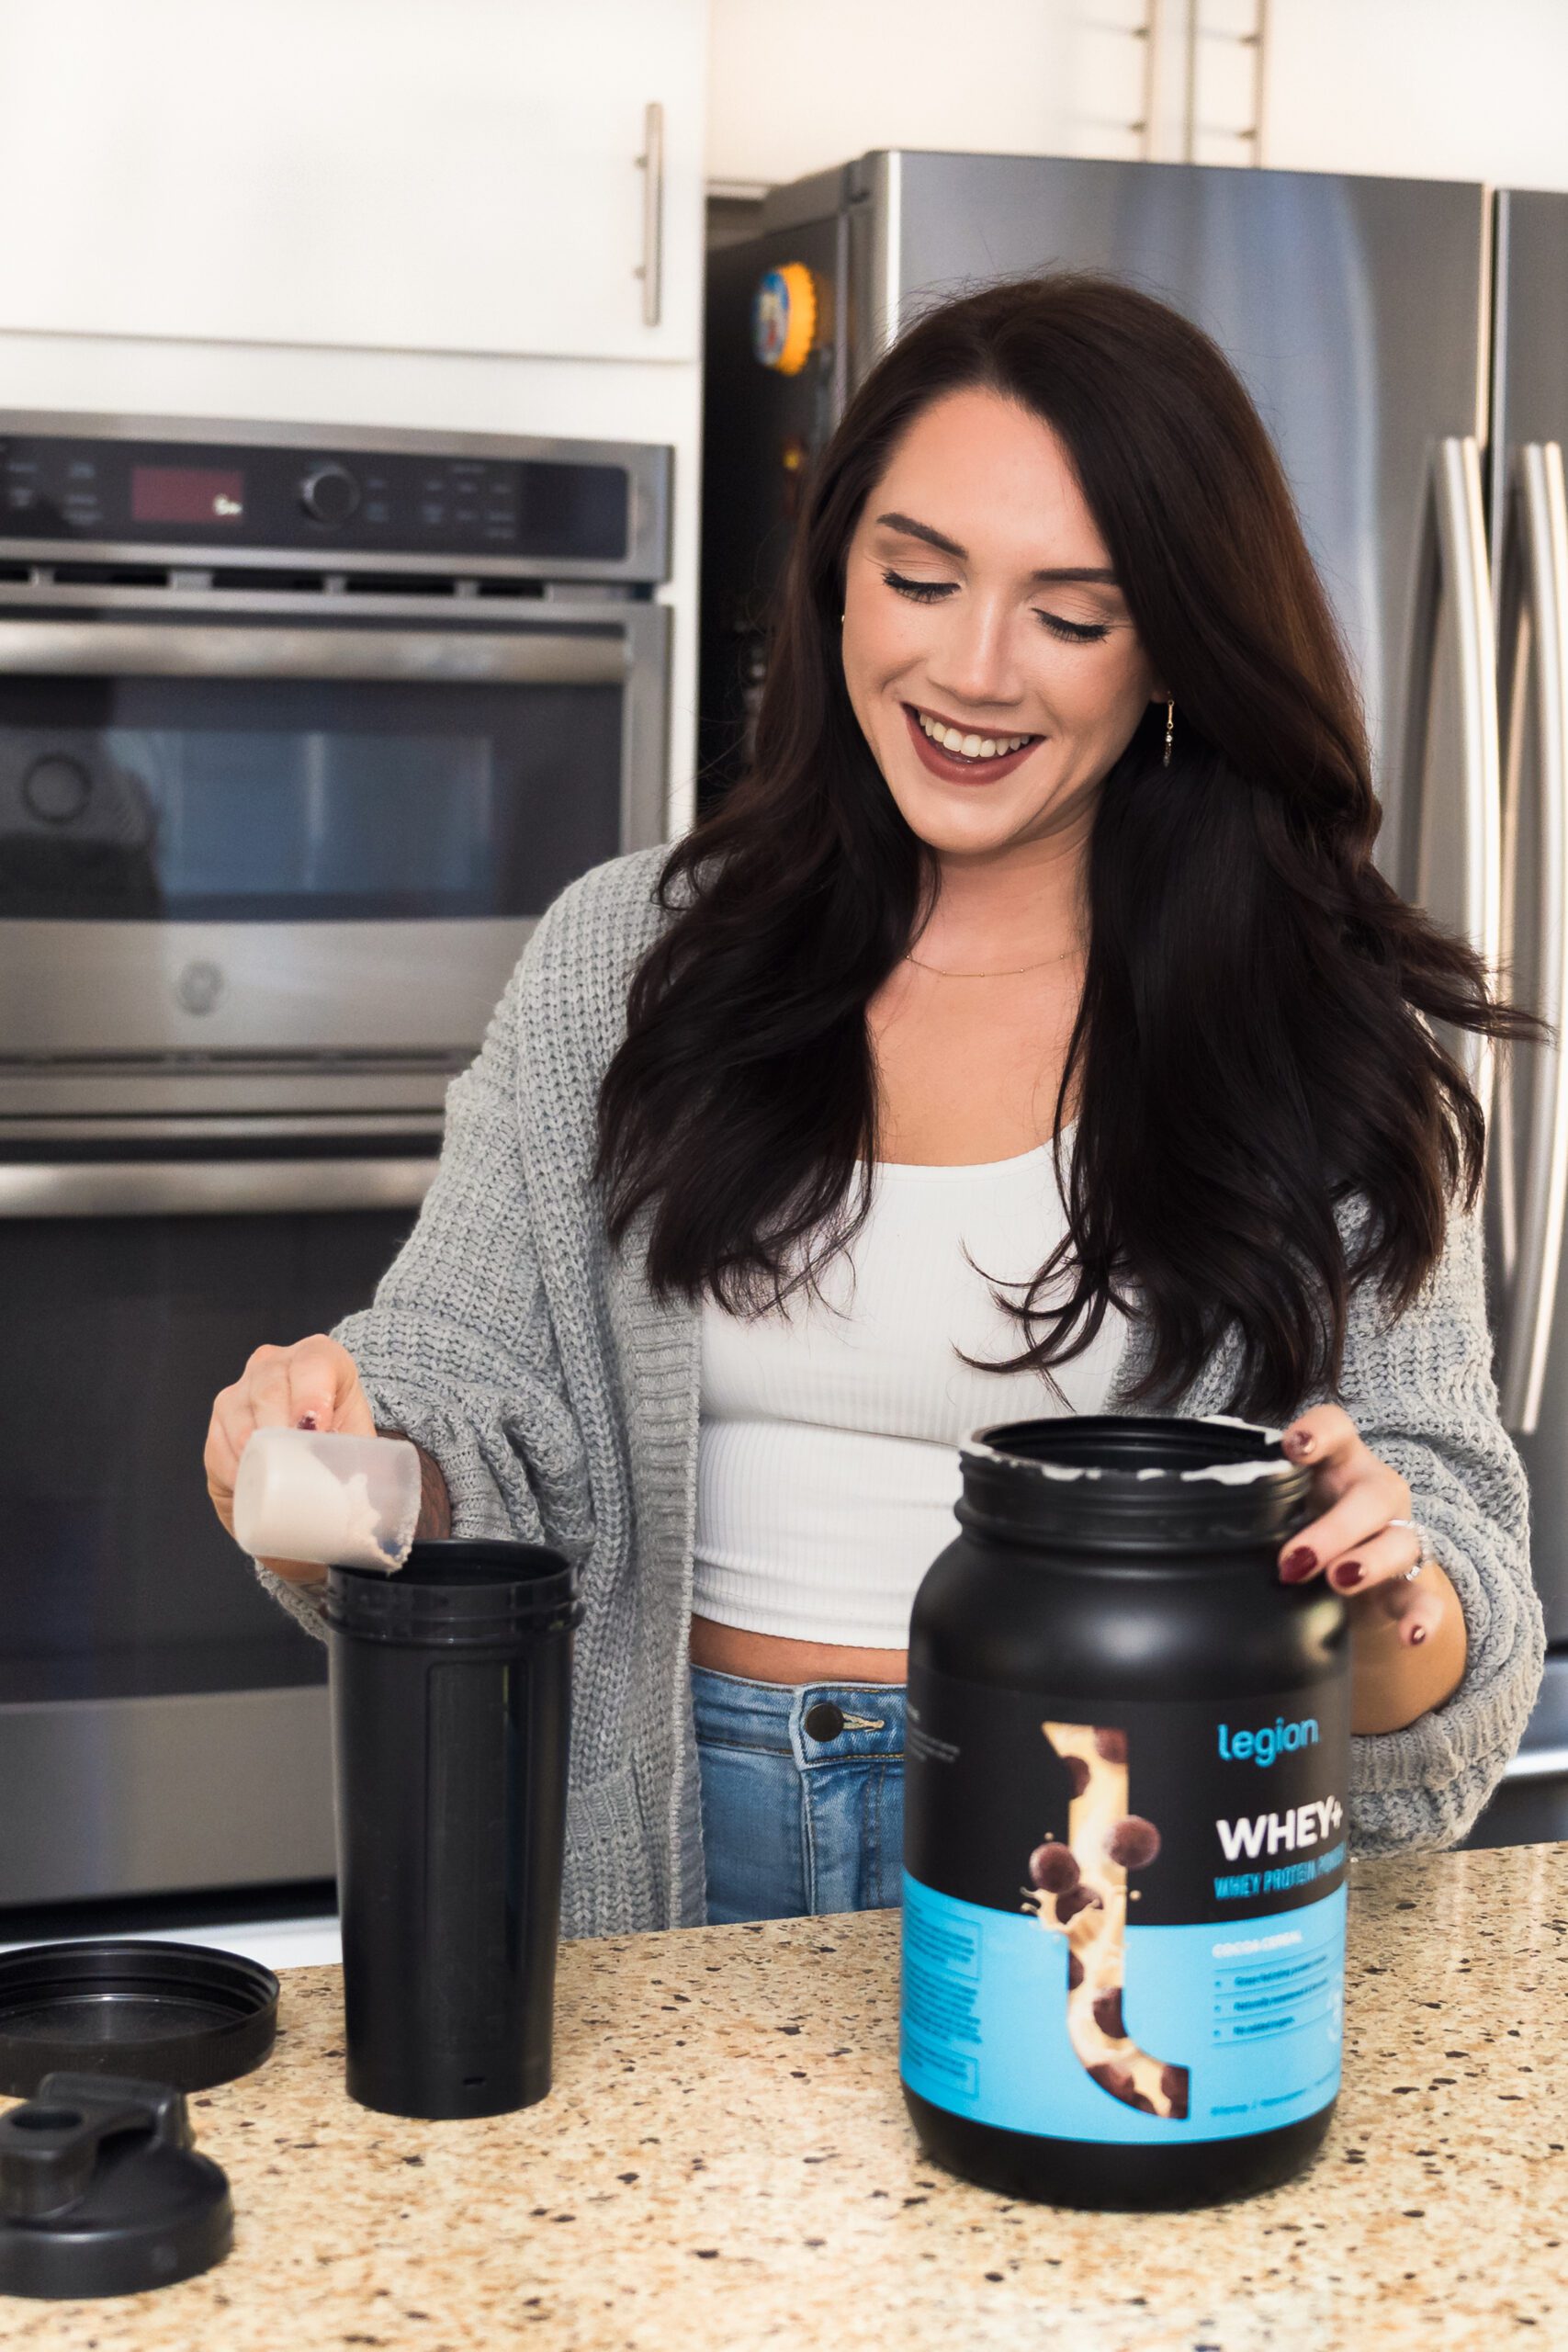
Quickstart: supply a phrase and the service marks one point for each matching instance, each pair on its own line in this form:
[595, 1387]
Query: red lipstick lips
[952, 768]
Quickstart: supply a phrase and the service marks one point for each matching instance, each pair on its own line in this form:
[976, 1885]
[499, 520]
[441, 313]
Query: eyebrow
[913, 530]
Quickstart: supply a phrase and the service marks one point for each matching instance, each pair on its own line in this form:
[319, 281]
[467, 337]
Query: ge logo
[201, 986]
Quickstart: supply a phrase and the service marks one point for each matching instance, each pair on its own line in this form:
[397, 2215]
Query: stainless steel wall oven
[301, 730]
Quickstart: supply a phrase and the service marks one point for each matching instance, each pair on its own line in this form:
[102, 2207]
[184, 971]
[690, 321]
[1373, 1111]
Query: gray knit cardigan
[561, 1399]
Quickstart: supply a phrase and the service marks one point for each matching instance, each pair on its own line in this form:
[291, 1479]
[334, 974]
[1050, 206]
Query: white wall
[1443, 89]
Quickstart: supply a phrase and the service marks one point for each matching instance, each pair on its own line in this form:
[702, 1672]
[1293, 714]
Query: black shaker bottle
[451, 1699]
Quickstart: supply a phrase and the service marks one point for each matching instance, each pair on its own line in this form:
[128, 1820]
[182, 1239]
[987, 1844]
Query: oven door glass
[256, 840]
[116, 1579]
[285, 801]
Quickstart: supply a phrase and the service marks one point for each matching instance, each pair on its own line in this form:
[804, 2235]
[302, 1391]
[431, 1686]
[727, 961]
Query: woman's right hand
[313, 1385]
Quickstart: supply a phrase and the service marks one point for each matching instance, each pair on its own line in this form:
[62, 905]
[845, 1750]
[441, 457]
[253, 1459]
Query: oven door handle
[213, 1187]
[543, 655]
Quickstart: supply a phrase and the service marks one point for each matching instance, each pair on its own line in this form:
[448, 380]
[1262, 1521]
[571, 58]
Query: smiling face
[980, 604]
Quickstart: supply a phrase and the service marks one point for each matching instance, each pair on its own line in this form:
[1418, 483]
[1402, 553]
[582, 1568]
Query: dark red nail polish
[306, 1421]
[1346, 1575]
[1298, 1564]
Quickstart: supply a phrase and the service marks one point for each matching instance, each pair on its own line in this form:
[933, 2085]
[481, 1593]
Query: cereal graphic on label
[1080, 1890]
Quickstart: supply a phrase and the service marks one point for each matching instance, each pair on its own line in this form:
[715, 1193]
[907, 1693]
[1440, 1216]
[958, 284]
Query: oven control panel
[208, 496]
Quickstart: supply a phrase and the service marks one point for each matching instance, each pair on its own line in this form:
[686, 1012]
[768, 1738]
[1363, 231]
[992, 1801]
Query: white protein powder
[291, 1503]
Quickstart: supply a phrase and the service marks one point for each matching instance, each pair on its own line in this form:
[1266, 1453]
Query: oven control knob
[56, 789]
[330, 494]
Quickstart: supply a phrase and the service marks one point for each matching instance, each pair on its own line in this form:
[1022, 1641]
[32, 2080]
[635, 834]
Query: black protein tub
[1126, 1778]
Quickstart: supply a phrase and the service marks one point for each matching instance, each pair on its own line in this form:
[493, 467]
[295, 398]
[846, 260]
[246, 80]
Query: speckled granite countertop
[724, 2161]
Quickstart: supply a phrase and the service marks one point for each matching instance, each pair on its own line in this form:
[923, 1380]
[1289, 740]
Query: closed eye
[1073, 632]
[932, 592]
[920, 592]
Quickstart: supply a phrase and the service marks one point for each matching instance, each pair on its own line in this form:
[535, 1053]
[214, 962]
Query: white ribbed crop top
[827, 1464]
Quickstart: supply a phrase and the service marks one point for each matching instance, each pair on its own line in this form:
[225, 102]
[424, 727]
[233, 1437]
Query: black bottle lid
[1134, 1485]
[102, 2191]
[189, 2016]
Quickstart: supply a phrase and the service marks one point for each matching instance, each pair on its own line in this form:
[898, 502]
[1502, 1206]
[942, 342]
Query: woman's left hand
[1408, 1645]
[1352, 1543]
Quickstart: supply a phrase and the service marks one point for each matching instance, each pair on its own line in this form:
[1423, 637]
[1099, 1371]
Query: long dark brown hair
[1249, 1034]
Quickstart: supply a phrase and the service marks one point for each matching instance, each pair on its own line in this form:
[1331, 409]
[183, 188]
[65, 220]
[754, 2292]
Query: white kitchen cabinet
[1444, 90]
[407, 175]
[1428, 89]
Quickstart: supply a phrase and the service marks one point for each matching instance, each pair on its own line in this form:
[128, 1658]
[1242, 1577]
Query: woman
[1030, 1032]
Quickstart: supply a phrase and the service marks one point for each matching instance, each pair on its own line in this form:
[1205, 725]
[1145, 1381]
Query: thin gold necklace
[1012, 973]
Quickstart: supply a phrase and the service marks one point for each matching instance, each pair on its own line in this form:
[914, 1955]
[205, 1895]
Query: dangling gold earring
[1170, 731]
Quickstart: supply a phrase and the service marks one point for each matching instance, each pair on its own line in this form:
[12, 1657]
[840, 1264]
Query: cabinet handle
[650, 163]
[1148, 33]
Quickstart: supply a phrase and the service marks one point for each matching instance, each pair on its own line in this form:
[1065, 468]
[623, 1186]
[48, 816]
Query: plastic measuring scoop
[317, 1495]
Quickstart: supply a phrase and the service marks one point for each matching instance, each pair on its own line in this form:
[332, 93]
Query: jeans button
[824, 1721]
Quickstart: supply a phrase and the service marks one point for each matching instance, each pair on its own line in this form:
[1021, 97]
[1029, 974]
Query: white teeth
[971, 747]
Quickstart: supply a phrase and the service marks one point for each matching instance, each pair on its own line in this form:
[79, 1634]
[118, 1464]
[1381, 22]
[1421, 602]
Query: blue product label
[1250, 2013]
[1124, 1921]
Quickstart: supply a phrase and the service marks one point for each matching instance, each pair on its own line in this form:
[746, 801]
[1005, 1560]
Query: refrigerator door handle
[1453, 580]
[1539, 510]
[1461, 548]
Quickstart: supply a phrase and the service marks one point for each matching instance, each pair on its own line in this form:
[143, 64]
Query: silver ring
[1419, 1532]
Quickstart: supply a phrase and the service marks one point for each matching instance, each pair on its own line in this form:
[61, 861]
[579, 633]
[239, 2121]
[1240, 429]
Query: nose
[974, 660]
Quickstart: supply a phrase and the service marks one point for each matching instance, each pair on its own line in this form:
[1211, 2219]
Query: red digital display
[186, 494]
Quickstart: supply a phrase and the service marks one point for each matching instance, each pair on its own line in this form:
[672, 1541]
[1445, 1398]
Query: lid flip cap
[102, 2191]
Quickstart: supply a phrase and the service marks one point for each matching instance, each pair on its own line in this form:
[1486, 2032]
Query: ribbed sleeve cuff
[1425, 1786]
[488, 1496]
[303, 1602]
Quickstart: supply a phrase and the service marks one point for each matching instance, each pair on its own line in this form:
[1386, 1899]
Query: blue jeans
[803, 1795]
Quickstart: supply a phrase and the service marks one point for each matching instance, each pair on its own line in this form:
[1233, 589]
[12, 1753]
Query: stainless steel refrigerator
[1407, 344]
